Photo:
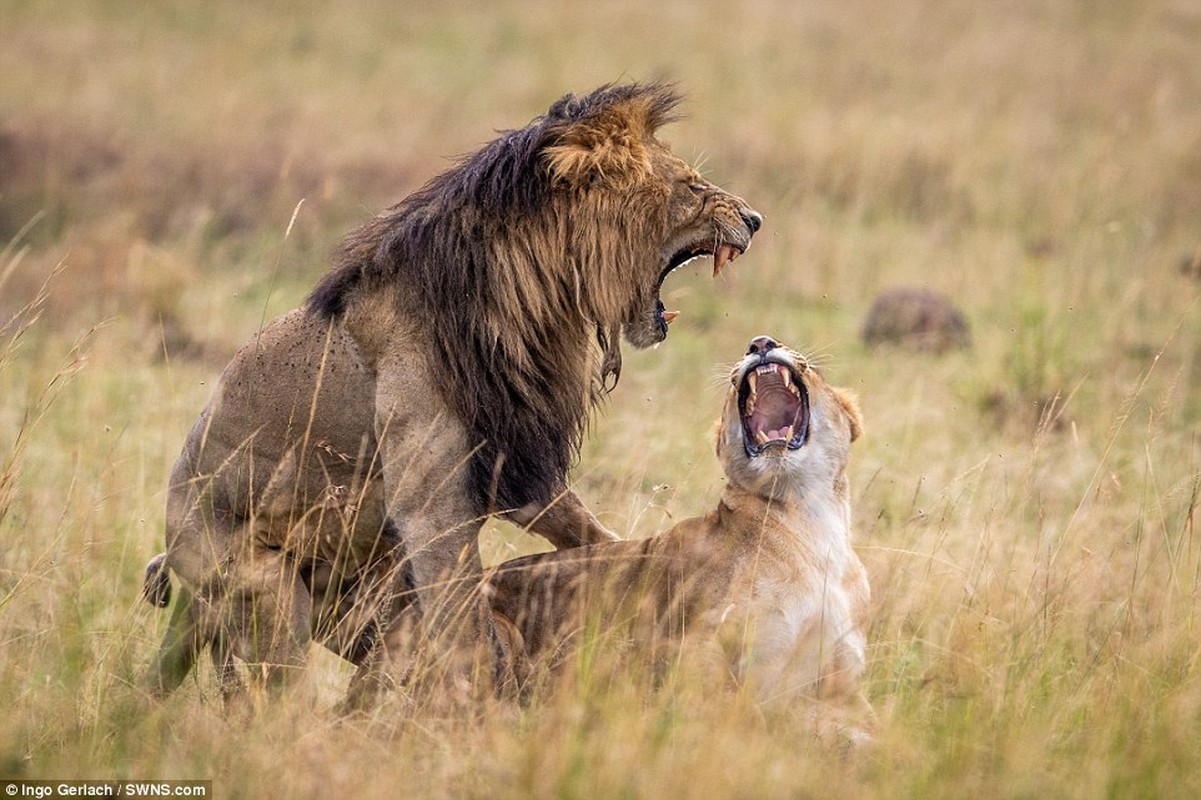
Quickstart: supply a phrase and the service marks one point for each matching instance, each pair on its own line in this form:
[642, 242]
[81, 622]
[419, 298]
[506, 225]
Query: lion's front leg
[452, 647]
[424, 454]
[564, 522]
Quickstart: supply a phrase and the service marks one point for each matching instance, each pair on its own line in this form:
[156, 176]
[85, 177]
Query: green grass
[1036, 574]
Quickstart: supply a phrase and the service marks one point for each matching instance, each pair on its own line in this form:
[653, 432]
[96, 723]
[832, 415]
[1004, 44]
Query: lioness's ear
[850, 404]
[603, 136]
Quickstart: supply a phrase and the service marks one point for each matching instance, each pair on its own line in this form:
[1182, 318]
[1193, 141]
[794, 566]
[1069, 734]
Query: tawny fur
[767, 584]
[443, 370]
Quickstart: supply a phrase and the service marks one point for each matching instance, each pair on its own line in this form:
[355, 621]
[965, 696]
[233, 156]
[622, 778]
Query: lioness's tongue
[775, 407]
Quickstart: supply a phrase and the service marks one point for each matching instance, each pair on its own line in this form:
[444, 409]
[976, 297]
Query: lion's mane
[519, 260]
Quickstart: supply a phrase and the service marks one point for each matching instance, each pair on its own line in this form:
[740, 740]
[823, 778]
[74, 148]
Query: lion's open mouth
[723, 253]
[774, 406]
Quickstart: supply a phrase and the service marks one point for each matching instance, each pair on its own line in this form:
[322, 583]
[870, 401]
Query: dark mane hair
[495, 255]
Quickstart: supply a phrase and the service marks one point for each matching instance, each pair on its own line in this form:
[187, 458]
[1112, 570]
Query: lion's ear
[850, 404]
[585, 156]
[603, 136]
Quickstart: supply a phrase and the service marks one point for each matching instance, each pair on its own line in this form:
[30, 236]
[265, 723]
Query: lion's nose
[753, 220]
[761, 344]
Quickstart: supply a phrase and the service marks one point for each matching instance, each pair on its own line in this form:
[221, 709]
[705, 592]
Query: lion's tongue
[724, 254]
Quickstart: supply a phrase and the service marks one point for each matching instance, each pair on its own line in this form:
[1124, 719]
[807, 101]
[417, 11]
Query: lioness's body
[442, 371]
[766, 586]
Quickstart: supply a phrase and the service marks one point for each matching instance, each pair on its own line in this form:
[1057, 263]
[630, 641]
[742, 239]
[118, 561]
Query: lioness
[768, 578]
[442, 371]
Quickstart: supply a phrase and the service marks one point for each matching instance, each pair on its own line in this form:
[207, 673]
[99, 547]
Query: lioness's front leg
[565, 522]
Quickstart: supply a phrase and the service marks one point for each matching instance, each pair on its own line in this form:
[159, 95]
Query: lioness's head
[783, 428]
[648, 211]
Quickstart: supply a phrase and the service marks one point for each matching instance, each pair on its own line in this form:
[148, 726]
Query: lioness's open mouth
[774, 407]
[723, 253]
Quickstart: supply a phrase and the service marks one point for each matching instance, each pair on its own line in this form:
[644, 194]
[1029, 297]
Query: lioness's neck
[818, 513]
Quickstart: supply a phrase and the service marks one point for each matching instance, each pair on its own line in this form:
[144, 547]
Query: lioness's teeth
[761, 438]
[750, 405]
[753, 378]
[787, 374]
[668, 316]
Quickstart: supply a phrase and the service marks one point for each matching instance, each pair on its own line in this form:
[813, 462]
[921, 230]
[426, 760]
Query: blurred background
[174, 173]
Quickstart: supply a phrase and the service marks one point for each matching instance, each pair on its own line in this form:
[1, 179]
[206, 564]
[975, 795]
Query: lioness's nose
[753, 220]
[761, 344]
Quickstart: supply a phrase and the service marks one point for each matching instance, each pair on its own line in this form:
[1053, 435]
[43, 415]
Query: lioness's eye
[696, 188]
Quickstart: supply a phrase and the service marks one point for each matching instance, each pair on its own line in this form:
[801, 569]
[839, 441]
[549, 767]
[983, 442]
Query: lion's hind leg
[266, 617]
[389, 663]
[177, 653]
[258, 612]
[228, 677]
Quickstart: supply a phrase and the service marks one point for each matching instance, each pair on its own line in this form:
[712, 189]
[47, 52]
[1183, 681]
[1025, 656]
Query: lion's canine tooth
[750, 405]
[761, 438]
[753, 379]
[787, 375]
[722, 255]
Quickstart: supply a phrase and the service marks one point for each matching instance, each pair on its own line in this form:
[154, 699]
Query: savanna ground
[172, 174]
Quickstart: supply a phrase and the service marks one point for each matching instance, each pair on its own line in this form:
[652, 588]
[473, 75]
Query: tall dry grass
[1026, 508]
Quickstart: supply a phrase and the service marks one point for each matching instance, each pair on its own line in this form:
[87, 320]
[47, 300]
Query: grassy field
[174, 173]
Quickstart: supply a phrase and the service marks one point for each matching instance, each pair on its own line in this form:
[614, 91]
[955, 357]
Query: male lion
[443, 370]
[765, 588]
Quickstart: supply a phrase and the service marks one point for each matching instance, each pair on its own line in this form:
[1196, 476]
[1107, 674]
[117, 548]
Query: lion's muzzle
[752, 219]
